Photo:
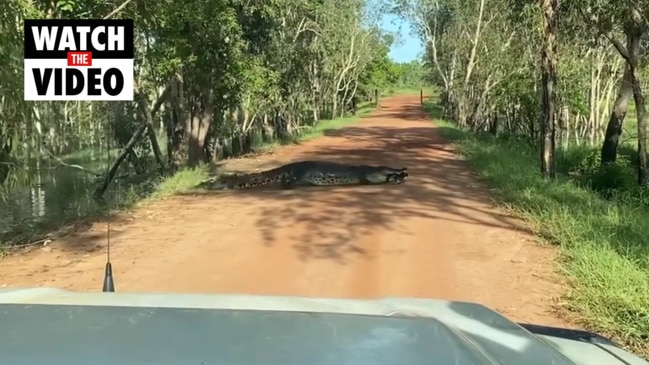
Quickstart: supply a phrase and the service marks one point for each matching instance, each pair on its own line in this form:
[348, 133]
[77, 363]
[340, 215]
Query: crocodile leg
[293, 181]
[288, 183]
[309, 178]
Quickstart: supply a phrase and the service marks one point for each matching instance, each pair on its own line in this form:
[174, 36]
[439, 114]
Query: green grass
[182, 181]
[604, 243]
[318, 130]
[407, 91]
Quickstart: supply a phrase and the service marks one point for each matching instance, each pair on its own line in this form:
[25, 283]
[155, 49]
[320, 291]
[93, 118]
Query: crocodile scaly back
[319, 173]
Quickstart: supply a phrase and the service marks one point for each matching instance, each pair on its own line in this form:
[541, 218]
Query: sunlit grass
[408, 91]
[181, 181]
[604, 243]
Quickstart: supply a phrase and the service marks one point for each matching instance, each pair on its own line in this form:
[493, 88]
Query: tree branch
[607, 33]
[118, 9]
[73, 166]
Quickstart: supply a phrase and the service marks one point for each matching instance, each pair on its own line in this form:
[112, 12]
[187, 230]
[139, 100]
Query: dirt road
[436, 236]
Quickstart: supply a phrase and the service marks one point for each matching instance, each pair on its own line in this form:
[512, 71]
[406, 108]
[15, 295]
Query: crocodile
[319, 173]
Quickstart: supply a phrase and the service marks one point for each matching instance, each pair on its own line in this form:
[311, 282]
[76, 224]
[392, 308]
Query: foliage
[217, 78]
[602, 239]
[487, 57]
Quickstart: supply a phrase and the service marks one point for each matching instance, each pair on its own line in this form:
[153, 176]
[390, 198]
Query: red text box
[79, 59]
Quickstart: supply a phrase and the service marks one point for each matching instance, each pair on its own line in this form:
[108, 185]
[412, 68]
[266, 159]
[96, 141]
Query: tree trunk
[614, 127]
[143, 104]
[177, 148]
[641, 111]
[5, 157]
[634, 34]
[148, 115]
[631, 54]
[549, 78]
[198, 126]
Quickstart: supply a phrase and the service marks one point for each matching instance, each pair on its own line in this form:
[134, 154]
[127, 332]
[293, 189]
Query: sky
[408, 47]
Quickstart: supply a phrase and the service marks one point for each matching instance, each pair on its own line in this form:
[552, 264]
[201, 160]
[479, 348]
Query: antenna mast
[109, 284]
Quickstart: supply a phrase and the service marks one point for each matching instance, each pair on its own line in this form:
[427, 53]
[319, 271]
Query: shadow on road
[330, 222]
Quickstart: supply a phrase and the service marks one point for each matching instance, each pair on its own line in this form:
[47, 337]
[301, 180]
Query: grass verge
[318, 130]
[408, 91]
[603, 242]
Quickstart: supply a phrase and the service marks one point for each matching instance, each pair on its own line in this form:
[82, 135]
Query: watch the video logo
[78, 59]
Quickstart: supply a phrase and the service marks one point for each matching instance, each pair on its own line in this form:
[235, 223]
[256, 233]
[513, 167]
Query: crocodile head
[387, 174]
[396, 176]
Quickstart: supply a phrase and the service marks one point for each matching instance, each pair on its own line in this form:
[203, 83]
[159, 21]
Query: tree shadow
[81, 236]
[92, 237]
[332, 221]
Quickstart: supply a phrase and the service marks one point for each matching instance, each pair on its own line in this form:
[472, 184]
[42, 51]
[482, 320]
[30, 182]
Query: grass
[603, 242]
[407, 91]
[318, 130]
[67, 196]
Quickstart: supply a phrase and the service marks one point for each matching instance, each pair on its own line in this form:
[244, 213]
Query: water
[55, 195]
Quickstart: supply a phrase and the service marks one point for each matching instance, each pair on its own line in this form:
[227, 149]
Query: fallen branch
[73, 166]
[99, 192]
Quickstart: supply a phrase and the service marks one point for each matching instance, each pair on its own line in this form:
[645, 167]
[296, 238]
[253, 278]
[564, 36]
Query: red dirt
[435, 236]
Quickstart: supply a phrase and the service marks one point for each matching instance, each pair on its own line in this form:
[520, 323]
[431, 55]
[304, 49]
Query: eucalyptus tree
[493, 60]
[549, 9]
[627, 20]
[469, 46]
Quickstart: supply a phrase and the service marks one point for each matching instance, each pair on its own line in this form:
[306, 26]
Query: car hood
[53, 326]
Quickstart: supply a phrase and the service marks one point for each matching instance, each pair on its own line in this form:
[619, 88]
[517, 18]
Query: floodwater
[52, 193]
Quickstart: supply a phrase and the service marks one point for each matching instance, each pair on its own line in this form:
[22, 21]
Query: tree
[263, 66]
[213, 79]
[549, 9]
[610, 18]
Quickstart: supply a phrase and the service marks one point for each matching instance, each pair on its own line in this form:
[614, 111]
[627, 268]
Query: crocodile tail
[258, 179]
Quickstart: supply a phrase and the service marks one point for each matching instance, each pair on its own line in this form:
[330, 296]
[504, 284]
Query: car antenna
[109, 284]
